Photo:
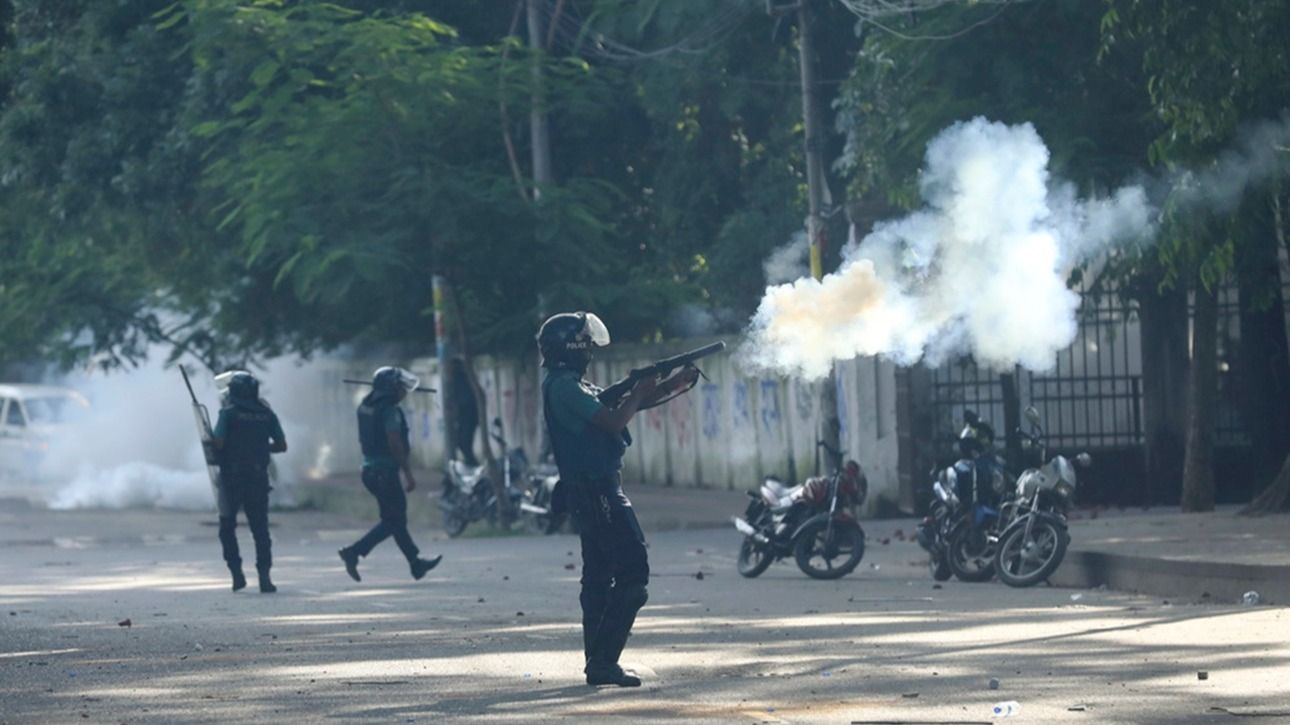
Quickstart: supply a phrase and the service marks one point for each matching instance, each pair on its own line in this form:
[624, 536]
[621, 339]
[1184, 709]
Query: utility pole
[539, 127]
[445, 351]
[818, 193]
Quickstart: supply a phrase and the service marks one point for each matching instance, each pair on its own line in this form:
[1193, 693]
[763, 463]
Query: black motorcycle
[978, 482]
[468, 493]
[934, 530]
[814, 522]
[1034, 543]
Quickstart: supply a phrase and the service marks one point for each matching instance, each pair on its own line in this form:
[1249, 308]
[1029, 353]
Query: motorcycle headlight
[1065, 490]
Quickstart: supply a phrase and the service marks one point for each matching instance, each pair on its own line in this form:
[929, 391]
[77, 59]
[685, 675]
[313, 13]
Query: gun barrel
[691, 356]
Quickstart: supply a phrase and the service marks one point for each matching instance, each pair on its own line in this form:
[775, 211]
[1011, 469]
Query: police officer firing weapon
[245, 434]
[588, 432]
[383, 435]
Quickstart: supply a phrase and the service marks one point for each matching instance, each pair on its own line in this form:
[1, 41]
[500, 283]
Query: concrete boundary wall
[729, 432]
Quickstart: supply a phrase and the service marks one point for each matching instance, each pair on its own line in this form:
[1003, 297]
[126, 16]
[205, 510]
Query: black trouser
[383, 483]
[245, 487]
[615, 568]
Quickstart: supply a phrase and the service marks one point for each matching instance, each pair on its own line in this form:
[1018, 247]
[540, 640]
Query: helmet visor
[223, 379]
[407, 380]
[596, 330]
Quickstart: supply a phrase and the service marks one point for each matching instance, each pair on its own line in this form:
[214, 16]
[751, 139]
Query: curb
[1209, 580]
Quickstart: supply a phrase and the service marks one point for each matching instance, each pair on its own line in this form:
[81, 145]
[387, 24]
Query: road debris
[1006, 709]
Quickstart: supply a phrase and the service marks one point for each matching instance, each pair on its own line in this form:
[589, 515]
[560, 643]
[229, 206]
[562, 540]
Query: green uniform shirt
[573, 402]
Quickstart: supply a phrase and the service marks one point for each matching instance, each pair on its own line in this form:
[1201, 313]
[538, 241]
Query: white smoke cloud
[982, 268]
[137, 446]
[789, 262]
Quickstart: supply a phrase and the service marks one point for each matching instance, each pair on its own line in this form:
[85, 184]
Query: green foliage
[1211, 69]
[1034, 62]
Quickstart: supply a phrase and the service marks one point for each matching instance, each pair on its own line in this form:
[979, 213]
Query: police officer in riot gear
[383, 435]
[246, 433]
[589, 440]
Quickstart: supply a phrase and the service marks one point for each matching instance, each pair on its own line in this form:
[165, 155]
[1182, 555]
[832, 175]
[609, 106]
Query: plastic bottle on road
[1007, 709]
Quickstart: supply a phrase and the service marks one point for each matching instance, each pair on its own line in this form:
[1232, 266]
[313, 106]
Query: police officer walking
[383, 435]
[589, 440]
[246, 432]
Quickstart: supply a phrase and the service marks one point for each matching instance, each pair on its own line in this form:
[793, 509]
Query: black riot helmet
[393, 382]
[242, 386]
[568, 339]
[976, 437]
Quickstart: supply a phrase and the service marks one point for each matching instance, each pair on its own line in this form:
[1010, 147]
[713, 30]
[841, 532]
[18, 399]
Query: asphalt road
[491, 636]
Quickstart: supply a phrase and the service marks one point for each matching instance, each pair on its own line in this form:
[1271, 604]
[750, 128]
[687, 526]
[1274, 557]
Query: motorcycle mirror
[1032, 415]
[1083, 460]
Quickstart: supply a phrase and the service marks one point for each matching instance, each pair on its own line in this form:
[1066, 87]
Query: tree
[1213, 69]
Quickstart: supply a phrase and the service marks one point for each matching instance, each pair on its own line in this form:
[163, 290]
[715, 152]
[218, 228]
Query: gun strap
[675, 394]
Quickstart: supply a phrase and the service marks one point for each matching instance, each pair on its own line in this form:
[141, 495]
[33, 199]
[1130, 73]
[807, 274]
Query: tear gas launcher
[204, 433]
[418, 389]
[662, 368]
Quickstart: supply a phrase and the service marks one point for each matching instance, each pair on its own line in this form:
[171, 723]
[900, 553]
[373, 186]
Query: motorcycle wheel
[1024, 562]
[939, 567]
[454, 523]
[813, 545]
[969, 556]
[753, 560]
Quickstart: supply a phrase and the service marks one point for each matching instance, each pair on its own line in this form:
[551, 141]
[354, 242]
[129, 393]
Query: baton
[418, 389]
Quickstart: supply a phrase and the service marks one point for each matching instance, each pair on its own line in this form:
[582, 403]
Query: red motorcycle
[814, 522]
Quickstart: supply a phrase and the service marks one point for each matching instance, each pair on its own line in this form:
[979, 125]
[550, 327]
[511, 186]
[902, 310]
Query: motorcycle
[933, 532]
[814, 522]
[977, 480]
[1034, 543]
[537, 507]
[468, 494]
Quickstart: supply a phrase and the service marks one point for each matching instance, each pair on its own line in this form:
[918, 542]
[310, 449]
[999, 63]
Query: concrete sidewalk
[1219, 555]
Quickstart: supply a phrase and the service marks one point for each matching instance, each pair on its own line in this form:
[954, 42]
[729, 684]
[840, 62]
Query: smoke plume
[136, 446]
[981, 268]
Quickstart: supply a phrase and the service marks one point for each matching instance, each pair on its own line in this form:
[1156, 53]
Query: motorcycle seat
[777, 486]
[465, 472]
[779, 499]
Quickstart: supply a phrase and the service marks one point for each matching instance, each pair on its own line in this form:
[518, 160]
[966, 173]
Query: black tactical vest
[371, 430]
[246, 442]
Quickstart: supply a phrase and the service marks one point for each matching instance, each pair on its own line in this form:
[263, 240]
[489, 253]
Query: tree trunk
[1263, 359]
[494, 469]
[539, 127]
[1202, 394]
[1163, 317]
[1276, 497]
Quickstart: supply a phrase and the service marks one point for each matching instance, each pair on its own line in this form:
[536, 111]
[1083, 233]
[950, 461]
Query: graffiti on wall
[740, 413]
[682, 412]
[711, 410]
[769, 406]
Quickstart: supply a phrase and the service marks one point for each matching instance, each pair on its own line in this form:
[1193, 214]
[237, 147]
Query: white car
[29, 416]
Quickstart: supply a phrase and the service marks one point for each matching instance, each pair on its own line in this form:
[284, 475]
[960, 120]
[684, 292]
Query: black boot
[266, 584]
[350, 557]
[599, 673]
[421, 566]
[239, 579]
